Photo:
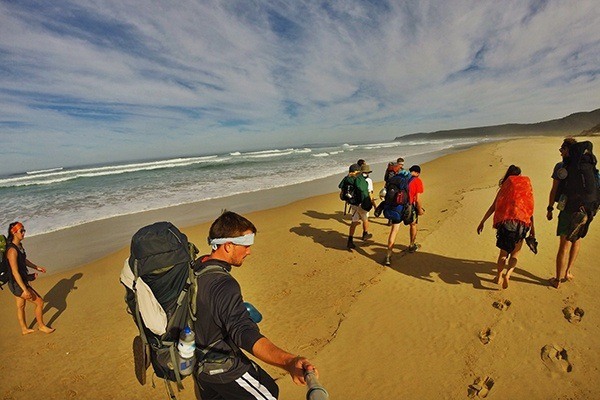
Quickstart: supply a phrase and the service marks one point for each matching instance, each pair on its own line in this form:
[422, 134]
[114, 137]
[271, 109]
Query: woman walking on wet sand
[513, 218]
[19, 282]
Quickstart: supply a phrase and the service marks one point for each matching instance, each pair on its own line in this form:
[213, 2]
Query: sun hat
[365, 169]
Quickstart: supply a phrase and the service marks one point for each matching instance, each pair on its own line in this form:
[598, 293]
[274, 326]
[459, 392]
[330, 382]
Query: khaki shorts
[358, 214]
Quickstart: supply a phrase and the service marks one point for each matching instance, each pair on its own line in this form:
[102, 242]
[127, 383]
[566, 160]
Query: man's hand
[549, 215]
[297, 367]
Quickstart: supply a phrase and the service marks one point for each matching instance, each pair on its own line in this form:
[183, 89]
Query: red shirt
[415, 186]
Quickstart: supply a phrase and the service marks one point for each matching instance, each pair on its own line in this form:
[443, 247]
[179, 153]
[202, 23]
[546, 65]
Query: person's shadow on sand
[57, 298]
[421, 265]
[337, 215]
[453, 271]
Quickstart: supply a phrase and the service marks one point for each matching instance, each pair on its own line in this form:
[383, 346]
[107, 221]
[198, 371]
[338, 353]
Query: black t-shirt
[222, 319]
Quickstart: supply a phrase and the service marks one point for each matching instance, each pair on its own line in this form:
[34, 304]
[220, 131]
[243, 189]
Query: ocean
[52, 199]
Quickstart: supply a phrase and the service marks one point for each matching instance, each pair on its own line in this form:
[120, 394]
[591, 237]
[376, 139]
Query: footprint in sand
[555, 358]
[486, 335]
[573, 315]
[481, 387]
[502, 305]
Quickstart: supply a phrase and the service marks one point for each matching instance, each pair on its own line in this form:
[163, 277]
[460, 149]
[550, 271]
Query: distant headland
[577, 124]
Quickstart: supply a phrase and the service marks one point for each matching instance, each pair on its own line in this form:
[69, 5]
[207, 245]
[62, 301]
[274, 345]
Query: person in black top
[224, 326]
[19, 282]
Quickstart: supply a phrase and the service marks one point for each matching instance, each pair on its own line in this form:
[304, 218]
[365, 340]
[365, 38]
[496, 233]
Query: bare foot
[27, 331]
[570, 277]
[46, 329]
[505, 282]
[555, 282]
[497, 279]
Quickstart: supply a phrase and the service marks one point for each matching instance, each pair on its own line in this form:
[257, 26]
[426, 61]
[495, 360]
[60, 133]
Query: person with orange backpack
[513, 218]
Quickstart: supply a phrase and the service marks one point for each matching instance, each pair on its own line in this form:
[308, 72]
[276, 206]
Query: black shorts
[15, 288]
[508, 234]
[254, 384]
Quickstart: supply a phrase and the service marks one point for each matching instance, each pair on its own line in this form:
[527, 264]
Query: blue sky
[95, 81]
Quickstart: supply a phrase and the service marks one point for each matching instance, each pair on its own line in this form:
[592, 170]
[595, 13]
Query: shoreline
[67, 248]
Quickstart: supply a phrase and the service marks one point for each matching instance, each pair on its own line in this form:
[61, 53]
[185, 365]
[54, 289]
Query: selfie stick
[315, 390]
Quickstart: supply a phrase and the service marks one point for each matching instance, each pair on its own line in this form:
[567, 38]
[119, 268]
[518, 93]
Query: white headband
[246, 240]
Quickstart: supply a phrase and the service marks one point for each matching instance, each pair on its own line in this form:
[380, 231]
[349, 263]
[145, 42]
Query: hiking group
[575, 189]
[190, 312]
[401, 201]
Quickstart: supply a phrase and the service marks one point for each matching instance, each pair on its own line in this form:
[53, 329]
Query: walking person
[20, 280]
[365, 169]
[224, 326]
[355, 190]
[577, 204]
[403, 204]
[513, 218]
[415, 189]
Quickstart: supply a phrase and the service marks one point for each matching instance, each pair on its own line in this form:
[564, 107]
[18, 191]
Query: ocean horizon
[55, 198]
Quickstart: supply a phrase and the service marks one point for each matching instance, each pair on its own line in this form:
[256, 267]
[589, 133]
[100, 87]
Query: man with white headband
[224, 326]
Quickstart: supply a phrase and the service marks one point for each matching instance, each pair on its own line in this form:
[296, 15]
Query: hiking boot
[413, 247]
[367, 235]
[350, 245]
[388, 261]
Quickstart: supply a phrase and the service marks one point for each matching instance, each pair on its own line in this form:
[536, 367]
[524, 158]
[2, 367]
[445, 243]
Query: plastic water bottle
[186, 347]
[255, 315]
[562, 202]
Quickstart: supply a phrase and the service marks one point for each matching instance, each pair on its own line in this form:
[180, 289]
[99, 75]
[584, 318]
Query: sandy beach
[409, 331]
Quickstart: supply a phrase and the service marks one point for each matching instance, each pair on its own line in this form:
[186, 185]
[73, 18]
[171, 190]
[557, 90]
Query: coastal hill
[577, 124]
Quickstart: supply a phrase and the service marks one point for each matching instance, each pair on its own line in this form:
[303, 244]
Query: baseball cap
[354, 168]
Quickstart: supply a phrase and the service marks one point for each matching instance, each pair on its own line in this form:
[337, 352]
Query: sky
[109, 80]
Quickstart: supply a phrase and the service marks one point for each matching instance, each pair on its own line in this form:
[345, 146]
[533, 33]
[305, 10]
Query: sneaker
[413, 247]
[367, 236]
[351, 245]
[388, 261]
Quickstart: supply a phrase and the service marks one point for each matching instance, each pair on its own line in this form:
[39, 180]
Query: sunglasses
[22, 231]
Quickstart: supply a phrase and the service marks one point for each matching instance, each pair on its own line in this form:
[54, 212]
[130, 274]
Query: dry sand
[410, 331]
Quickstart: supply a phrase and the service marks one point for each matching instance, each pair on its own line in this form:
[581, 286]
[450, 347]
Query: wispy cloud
[123, 80]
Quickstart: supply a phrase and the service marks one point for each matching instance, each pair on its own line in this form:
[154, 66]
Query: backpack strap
[209, 269]
[215, 269]
[138, 315]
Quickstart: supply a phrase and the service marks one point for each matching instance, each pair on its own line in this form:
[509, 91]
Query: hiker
[20, 279]
[403, 204]
[415, 189]
[575, 214]
[224, 326]
[393, 169]
[355, 190]
[365, 169]
[513, 218]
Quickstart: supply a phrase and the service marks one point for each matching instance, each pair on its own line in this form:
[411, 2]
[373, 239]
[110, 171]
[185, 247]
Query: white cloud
[119, 78]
